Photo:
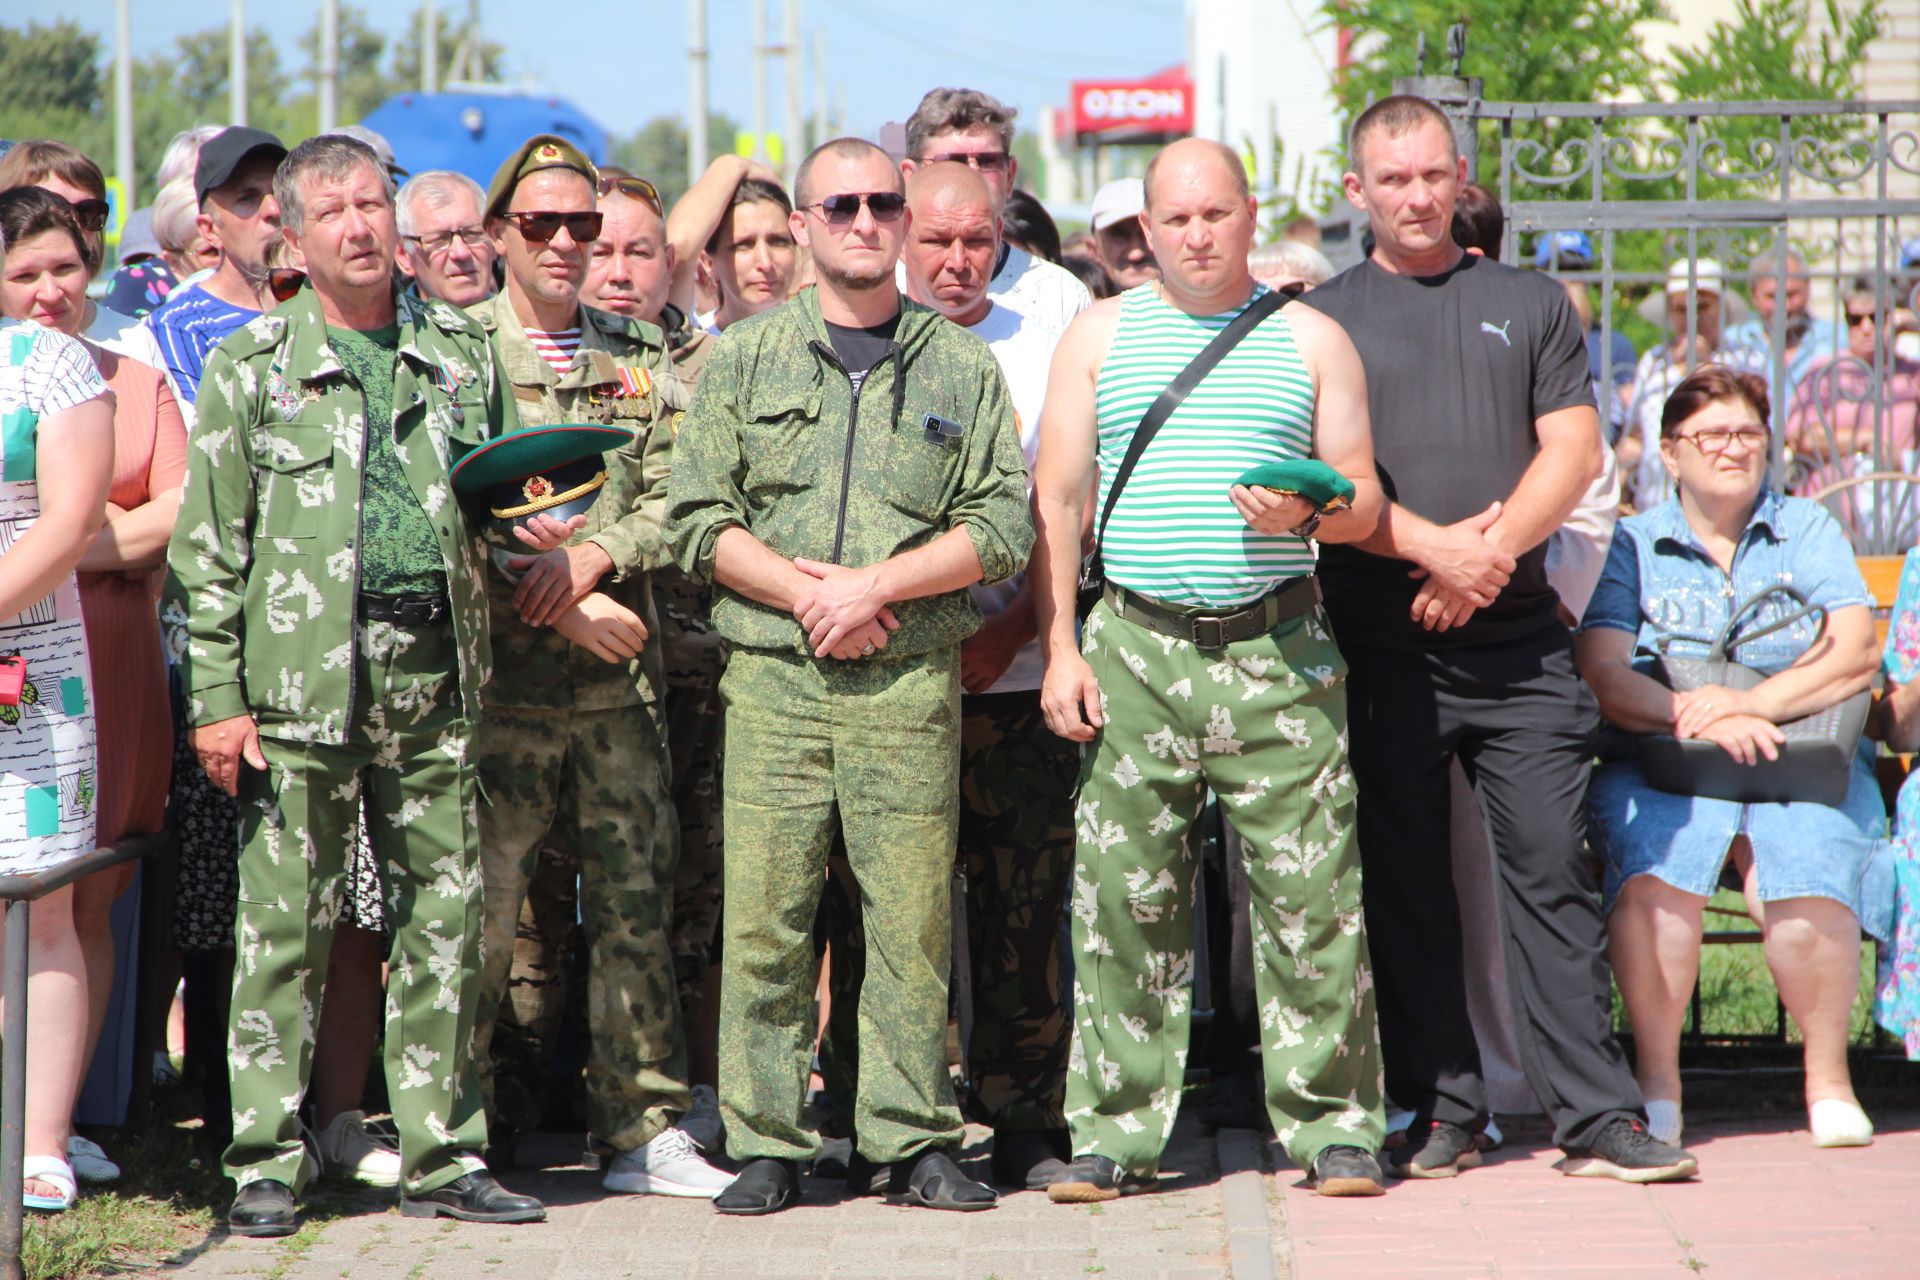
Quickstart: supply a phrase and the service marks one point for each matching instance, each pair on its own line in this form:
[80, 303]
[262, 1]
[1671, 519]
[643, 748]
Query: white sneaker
[1837, 1123]
[703, 1123]
[90, 1163]
[670, 1165]
[354, 1149]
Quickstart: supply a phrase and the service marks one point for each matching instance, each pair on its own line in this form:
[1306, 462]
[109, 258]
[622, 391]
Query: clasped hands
[843, 611]
[1730, 719]
[1461, 570]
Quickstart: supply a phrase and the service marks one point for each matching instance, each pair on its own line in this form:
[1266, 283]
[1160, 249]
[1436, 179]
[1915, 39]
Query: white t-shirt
[124, 336]
[1050, 296]
[1025, 352]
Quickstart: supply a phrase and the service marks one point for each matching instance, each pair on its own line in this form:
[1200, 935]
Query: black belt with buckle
[1210, 629]
[413, 610]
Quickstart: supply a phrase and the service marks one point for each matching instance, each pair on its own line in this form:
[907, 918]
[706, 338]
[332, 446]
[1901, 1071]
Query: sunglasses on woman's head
[544, 225]
[92, 214]
[842, 209]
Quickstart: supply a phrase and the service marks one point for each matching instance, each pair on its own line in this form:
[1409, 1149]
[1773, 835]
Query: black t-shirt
[860, 349]
[1459, 366]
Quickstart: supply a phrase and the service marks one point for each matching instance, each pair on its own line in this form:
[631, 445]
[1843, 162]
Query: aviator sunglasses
[633, 188]
[842, 209]
[540, 227]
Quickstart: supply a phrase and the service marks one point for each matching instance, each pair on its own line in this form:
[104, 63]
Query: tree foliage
[658, 151]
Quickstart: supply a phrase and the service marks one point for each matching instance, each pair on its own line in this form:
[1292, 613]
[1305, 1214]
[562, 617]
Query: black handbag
[1093, 576]
[1815, 765]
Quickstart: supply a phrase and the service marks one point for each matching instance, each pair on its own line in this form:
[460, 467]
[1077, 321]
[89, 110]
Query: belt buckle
[417, 613]
[1219, 633]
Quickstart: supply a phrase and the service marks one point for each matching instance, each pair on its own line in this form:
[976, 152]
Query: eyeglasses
[92, 214]
[841, 210]
[439, 242]
[634, 189]
[284, 282]
[985, 161]
[1857, 318]
[1717, 440]
[540, 227]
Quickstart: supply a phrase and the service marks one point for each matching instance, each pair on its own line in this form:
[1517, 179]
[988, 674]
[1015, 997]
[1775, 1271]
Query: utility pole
[329, 64]
[429, 47]
[237, 64]
[697, 144]
[792, 62]
[123, 102]
[760, 80]
[820, 91]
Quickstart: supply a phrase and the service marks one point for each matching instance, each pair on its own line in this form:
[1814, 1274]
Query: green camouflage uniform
[573, 760]
[1263, 722]
[777, 442]
[267, 554]
[695, 656]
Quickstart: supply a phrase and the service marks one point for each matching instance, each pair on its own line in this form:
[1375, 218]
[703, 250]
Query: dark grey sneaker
[1438, 1149]
[1091, 1179]
[1346, 1171]
[1626, 1151]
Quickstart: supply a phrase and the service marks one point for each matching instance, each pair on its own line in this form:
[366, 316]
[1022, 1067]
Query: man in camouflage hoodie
[335, 639]
[850, 465]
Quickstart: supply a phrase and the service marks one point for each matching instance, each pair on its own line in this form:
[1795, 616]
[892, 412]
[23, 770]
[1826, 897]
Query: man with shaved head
[849, 467]
[1208, 663]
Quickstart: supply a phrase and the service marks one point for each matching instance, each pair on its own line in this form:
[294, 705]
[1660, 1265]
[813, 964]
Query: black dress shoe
[475, 1197]
[263, 1208]
[1031, 1160]
[764, 1186]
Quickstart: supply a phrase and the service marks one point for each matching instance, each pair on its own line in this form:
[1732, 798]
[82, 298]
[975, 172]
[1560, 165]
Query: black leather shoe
[764, 1186]
[1031, 1160]
[476, 1197]
[263, 1208]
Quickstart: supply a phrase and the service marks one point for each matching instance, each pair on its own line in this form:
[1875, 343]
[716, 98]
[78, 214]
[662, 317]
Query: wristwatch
[1308, 527]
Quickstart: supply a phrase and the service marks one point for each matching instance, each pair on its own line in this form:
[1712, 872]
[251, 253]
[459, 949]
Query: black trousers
[1522, 724]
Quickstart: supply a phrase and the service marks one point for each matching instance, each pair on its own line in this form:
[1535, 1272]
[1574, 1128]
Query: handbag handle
[1724, 643]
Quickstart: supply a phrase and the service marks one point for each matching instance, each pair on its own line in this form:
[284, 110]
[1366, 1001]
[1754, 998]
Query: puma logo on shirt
[1500, 331]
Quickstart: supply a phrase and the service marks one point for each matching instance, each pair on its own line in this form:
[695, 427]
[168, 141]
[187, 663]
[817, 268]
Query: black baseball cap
[226, 151]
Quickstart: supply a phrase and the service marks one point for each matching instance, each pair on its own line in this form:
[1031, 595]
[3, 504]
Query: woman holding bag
[1814, 874]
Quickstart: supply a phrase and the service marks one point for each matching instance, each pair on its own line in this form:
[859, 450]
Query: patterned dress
[48, 785]
[1896, 1003]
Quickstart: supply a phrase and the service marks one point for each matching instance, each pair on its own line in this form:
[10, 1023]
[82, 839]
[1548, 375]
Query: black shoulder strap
[1176, 391]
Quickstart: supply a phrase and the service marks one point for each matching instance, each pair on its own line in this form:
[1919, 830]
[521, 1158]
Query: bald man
[1207, 664]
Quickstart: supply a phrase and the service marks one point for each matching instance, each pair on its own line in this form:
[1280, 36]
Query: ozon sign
[1158, 106]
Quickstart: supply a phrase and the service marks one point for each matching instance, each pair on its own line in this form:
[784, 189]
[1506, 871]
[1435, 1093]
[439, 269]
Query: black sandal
[934, 1181]
[764, 1186]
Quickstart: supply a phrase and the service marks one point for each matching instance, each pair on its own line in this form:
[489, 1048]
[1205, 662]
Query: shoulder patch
[449, 317]
[618, 326]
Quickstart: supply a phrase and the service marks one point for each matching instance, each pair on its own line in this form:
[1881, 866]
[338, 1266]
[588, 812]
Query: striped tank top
[1175, 533]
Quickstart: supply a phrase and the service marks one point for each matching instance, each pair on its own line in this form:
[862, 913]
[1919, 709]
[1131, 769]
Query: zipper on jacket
[827, 353]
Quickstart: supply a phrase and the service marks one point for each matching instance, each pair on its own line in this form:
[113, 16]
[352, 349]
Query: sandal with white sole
[1836, 1122]
[55, 1172]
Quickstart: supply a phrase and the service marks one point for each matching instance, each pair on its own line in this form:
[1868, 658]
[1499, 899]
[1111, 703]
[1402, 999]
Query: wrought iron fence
[1783, 199]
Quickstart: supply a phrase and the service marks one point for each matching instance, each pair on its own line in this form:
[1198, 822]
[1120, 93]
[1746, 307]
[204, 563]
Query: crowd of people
[461, 572]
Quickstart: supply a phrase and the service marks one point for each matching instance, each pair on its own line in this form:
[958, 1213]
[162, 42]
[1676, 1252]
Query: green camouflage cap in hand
[541, 151]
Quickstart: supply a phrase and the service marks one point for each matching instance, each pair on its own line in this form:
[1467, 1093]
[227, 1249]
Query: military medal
[633, 382]
[284, 397]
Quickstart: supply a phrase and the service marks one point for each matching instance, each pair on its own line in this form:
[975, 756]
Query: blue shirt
[1619, 370]
[1822, 339]
[192, 323]
[1660, 583]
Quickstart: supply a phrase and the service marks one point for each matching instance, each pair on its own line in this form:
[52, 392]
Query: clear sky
[624, 61]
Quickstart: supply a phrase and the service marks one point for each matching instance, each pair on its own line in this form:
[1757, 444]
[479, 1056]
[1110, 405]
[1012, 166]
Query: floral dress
[1896, 1003]
[48, 784]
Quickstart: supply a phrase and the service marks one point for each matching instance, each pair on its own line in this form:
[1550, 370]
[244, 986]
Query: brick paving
[1767, 1205]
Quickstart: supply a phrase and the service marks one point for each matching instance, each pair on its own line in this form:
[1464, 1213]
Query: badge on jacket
[286, 399]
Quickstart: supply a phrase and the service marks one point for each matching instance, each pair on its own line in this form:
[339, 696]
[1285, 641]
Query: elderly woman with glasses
[1814, 875]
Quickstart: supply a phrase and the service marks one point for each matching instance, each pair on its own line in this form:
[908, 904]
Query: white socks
[1838, 1123]
[1663, 1120]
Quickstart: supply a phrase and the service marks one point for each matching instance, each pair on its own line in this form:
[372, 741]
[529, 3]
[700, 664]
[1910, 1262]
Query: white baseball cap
[1708, 276]
[1119, 200]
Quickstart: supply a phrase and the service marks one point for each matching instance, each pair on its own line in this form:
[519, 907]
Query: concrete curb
[1243, 1197]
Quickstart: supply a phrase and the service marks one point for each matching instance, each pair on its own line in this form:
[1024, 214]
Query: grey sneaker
[1625, 1150]
[1438, 1149]
[1347, 1171]
[670, 1165]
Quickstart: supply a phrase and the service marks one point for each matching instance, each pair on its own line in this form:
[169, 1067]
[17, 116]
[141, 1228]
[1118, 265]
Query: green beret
[1308, 478]
[541, 151]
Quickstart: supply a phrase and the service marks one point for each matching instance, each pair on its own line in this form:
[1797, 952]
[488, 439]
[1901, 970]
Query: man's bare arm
[1568, 463]
[743, 563]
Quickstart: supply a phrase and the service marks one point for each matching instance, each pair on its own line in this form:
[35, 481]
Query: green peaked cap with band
[556, 471]
[541, 151]
[1307, 478]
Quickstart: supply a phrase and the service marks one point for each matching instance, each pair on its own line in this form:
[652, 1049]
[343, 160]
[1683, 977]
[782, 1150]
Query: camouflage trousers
[407, 748]
[695, 657]
[1263, 722]
[1016, 853]
[592, 785]
[871, 748]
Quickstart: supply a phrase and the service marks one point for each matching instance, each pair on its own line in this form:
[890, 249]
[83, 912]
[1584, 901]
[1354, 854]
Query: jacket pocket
[297, 483]
[921, 466]
[785, 444]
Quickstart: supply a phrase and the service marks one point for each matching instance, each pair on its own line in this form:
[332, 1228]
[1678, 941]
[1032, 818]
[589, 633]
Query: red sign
[1159, 105]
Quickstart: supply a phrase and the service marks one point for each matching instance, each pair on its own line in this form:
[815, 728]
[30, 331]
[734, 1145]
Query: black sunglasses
[284, 282]
[92, 214]
[540, 227]
[842, 209]
[985, 161]
[1292, 289]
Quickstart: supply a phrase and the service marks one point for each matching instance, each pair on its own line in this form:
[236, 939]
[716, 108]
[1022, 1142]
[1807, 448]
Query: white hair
[437, 187]
[174, 210]
[1291, 258]
[183, 153]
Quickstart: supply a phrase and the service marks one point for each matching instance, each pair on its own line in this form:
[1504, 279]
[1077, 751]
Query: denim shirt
[1659, 582]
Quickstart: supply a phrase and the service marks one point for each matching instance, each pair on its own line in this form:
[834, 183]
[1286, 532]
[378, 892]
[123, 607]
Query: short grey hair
[438, 188]
[174, 211]
[1290, 257]
[183, 153]
[1766, 266]
[329, 157]
[956, 111]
